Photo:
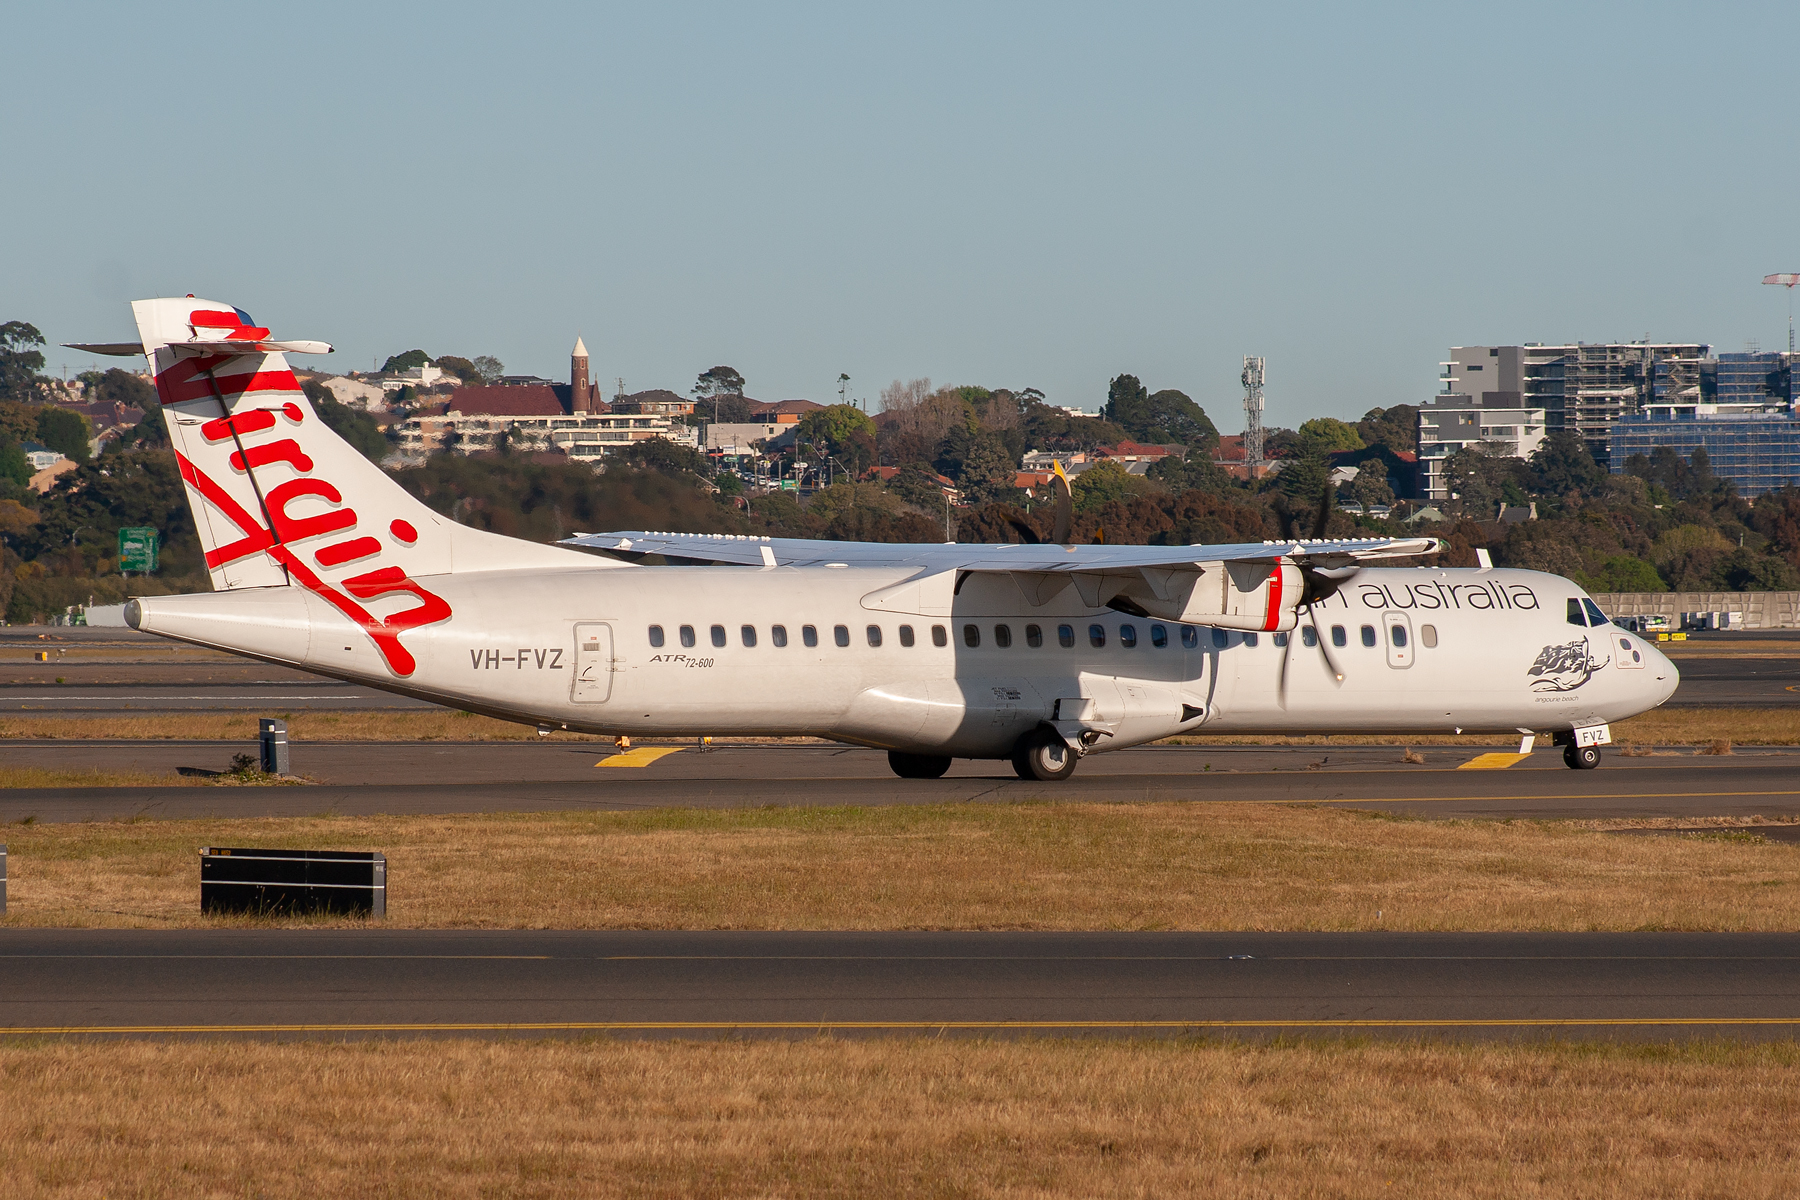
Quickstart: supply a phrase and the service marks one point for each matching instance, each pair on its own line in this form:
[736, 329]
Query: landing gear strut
[918, 766]
[1581, 758]
[1043, 755]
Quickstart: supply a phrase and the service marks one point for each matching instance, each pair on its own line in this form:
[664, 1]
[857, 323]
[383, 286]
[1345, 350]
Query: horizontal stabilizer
[125, 349]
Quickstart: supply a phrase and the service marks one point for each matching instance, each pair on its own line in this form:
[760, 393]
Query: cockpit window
[1576, 616]
[1595, 616]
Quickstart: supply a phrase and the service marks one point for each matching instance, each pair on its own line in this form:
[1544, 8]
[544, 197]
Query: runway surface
[349, 983]
[438, 777]
[114, 671]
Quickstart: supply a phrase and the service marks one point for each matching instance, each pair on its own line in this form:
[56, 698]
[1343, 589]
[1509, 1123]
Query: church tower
[580, 394]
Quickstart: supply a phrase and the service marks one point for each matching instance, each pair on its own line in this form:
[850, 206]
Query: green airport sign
[137, 549]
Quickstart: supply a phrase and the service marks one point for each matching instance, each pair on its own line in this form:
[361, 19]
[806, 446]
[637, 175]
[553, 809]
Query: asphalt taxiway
[319, 983]
[436, 777]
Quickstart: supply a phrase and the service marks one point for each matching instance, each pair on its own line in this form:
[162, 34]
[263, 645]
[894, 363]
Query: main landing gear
[918, 766]
[1581, 758]
[1043, 755]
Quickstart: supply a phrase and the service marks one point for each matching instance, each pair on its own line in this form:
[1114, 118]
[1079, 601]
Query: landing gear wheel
[1581, 758]
[918, 766]
[1044, 756]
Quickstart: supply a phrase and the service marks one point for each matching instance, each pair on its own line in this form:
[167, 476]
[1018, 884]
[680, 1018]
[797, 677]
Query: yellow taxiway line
[1492, 762]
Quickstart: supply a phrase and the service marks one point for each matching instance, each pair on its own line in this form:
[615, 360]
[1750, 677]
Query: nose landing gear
[1581, 758]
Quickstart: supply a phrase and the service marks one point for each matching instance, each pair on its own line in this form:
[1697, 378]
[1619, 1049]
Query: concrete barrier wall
[1762, 610]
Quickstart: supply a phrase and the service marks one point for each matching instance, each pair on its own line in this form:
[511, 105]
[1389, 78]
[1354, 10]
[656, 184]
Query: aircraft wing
[958, 556]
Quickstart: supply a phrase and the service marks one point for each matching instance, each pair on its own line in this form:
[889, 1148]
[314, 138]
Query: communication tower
[1253, 413]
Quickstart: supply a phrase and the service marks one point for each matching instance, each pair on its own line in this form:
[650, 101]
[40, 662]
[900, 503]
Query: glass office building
[1758, 451]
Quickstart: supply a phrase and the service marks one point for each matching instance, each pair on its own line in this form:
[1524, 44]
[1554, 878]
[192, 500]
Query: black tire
[1581, 758]
[918, 766]
[1042, 755]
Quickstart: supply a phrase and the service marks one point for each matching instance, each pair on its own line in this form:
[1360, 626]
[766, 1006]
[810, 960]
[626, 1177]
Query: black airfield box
[293, 882]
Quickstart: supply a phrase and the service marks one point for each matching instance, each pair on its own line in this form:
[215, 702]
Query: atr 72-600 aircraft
[1041, 654]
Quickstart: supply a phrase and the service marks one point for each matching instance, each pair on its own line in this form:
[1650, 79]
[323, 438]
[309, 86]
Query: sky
[1032, 195]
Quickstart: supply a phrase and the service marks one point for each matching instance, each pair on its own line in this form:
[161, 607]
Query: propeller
[1064, 518]
[1320, 583]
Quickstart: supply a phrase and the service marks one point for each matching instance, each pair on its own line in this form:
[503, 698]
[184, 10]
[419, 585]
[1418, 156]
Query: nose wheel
[1581, 758]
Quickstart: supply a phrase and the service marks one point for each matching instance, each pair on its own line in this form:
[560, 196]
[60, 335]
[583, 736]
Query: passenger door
[1397, 632]
[593, 662]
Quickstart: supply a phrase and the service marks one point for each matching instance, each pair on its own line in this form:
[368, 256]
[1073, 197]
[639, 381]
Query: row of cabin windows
[809, 635]
[1034, 636]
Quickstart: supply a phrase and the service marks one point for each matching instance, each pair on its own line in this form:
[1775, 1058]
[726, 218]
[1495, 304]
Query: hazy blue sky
[1011, 195]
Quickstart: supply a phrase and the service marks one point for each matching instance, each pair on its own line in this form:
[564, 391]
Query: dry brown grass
[895, 1118]
[959, 866]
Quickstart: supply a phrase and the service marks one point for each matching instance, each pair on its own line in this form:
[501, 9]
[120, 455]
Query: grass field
[1663, 727]
[960, 866]
[447, 1120]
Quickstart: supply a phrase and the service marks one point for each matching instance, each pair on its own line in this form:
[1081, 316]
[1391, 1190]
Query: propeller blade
[1281, 684]
[1337, 672]
[1065, 509]
[1322, 519]
[1026, 533]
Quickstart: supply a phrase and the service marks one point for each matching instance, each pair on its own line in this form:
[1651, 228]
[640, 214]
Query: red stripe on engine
[1274, 618]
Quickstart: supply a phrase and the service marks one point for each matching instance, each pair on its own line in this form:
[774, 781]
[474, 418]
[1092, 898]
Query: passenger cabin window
[1003, 636]
[906, 635]
[939, 636]
[748, 633]
[1096, 636]
[718, 635]
[1309, 637]
[1249, 639]
[1190, 637]
[971, 636]
[1368, 635]
[809, 635]
[873, 633]
[687, 635]
[1128, 636]
[778, 634]
[1065, 636]
[1397, 634]
[656, 637]
[1034, 636]
[1159, 636]
[1220, 639]
[1428, 635]
[1338, 636]
[1280, 640]
[840, 634]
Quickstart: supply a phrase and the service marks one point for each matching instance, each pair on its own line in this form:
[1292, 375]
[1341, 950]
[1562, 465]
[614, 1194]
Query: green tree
[1103, 482]
[490, 367]
[20, 362]
[1622, 573]
[65, 431]
[843, 431]
[352, 424]
[405, 362]
[1397, 428]
[1328, 435]
[1168, 417]
[1563, 464]
[13, 463]
[715, 383]
[461, 368]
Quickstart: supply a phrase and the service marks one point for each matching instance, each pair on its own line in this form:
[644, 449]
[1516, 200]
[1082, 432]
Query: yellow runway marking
[1492, 762]
[815, 1026]
[1572, 796]
[643, 756]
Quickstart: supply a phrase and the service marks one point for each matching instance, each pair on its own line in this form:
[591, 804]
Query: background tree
[65, 431]
[1168, 417]
[1563, 464]
[21, 362]
[717, 382]
[843, 431]
[1103, 482]
[397, 363]
[490, 367]
[1328, 435]
[14, 466]
[461, 368]
[1397, 428]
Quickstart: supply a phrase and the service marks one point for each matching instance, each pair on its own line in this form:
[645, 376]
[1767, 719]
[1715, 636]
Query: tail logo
[277, 537]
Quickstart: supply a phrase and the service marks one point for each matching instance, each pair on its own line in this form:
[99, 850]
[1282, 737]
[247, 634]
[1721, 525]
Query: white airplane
[1041, 654]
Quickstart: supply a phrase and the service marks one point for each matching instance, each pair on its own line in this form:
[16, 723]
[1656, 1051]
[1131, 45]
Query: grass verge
[452, 1119]
[959, 866]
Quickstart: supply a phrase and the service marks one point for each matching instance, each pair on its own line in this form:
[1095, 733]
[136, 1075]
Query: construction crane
[1253, 414]
[1787, 279]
